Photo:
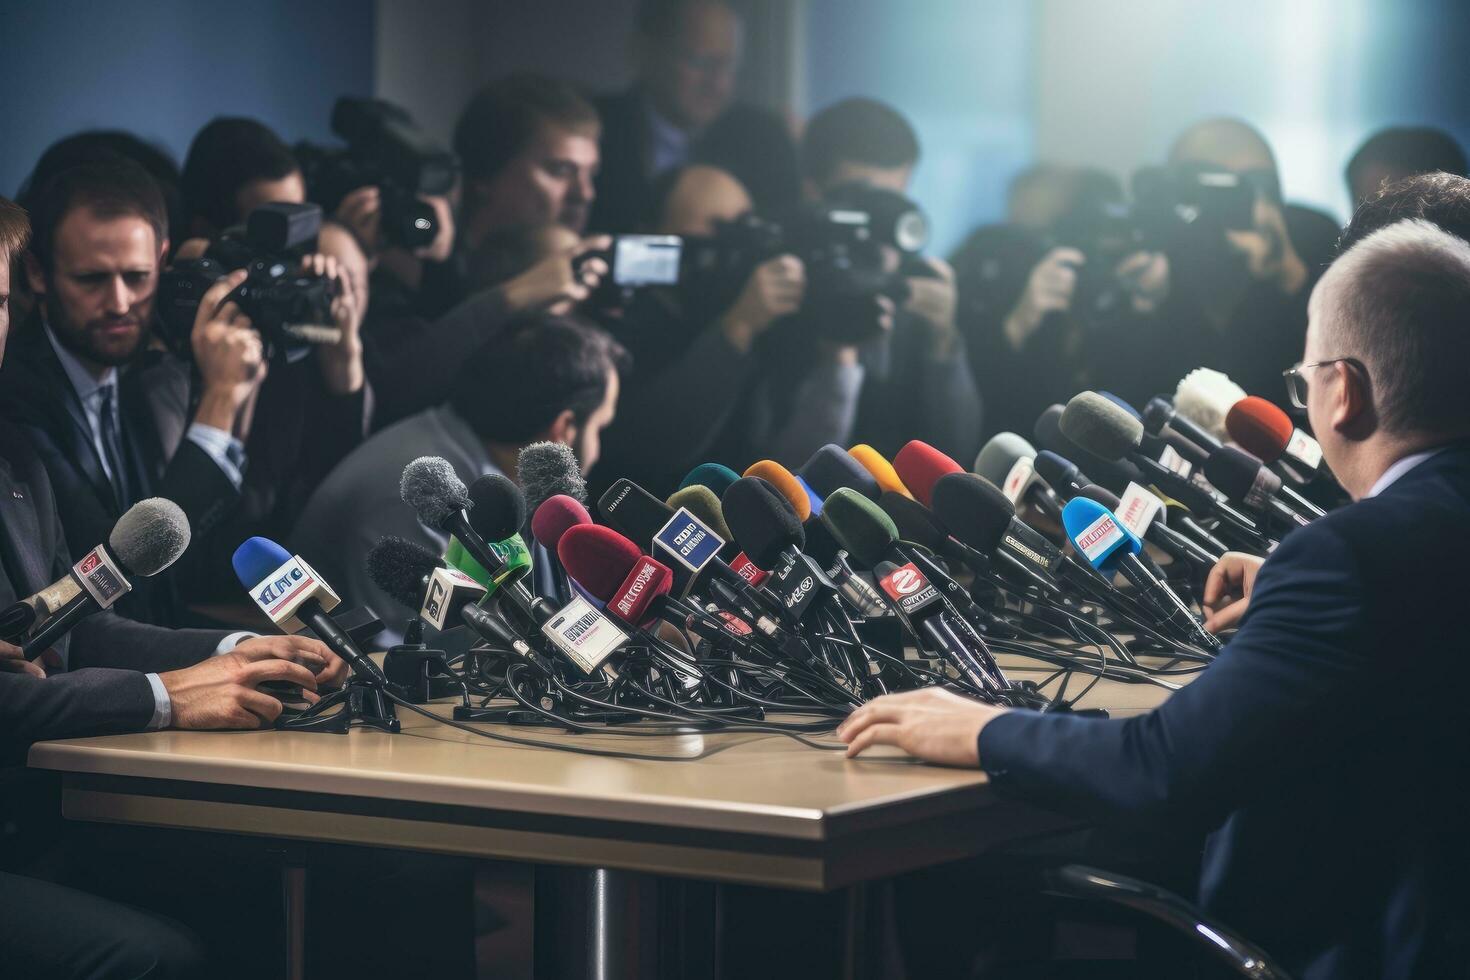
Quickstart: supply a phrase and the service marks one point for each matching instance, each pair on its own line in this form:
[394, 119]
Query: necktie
[112, 446]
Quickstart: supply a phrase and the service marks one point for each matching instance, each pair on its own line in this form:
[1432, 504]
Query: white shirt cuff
[229, 642]
[227, 452]
[163, 708]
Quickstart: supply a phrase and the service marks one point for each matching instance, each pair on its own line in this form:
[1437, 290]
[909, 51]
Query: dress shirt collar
[87, 387]
[1393, 473]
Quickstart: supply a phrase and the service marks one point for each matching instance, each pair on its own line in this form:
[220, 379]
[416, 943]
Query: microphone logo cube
[688, 541]
[1099, 538]
[908, 587]
[585, 635]
[283, 591]
[101, 577]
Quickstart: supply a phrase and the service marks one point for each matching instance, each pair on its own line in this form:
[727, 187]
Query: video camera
[859, 243]
[384, 150]
[291, 309]
[1174, 207]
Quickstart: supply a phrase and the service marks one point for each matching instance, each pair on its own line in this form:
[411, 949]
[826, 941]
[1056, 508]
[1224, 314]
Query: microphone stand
[363, 701]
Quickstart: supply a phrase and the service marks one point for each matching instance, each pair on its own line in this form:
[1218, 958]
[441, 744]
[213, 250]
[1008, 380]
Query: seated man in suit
[114, 675]
[545, 378]
[113, 420]
[679, 112]
[1336, 802]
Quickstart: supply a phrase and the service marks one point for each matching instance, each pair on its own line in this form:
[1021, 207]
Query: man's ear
[1352, 406]
[563, 428]
[34, 276]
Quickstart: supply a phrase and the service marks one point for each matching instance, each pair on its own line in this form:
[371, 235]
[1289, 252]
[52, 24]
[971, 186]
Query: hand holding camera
[1049, 289]
[775, 289]
[229, 353]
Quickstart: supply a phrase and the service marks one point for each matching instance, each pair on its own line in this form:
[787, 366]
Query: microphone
[435, 492]
[1242, 478]
[716, 476]
[148, 538]
[919, 590]
[417, 578]
[1266, 432]
[1109, 548]
[1121, 403]
[551, 520]
[1009, 462]
[1203, 397]
[1106, 430]
[981, 517]
[1113, 474]
[875, 463]
[789, 485]
[920, 466]
[1144, 516]
[1160, 419]
[832, 467]
[704, 504]
[545, 470]
[294, 597]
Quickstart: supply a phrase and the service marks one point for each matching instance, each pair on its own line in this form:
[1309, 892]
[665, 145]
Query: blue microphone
[294, 596]
[1102, 540]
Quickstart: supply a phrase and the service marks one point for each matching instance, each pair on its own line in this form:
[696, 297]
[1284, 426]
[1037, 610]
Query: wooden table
[745, 808]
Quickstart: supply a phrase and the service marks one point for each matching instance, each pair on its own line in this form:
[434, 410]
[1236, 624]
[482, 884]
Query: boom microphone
[147, 539]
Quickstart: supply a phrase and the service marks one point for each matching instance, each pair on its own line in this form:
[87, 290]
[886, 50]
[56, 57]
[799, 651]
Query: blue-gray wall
[163, 68]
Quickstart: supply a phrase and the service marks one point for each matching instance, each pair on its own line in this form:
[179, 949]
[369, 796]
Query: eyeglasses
[1296, 381]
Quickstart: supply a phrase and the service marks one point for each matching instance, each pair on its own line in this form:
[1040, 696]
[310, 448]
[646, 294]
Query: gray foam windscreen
[432, 488]
[546, 469]
[1000, 455]
[1100, 426]
[150, 536]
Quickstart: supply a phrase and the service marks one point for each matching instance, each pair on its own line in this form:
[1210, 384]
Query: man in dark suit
[108, 674]
[1314, 747]
[679, 112]
[112, 421]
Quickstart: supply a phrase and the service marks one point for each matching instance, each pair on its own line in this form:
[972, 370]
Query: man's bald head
[1229, 143]
[700, 197]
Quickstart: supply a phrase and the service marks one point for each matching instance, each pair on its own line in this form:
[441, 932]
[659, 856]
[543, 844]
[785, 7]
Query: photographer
[110, 417]
[686, 56]
[311, 411]
[694, 353]
[904, 370]
[1392, 154]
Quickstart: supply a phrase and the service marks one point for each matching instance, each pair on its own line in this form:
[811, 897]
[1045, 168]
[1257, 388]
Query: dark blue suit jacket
[1326, 747]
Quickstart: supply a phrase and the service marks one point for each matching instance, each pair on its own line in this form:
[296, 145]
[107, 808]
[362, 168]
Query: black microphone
[147, 539]
[981, 517]
[1242, 478]
[419, 579]
[1159, 417]
[832, 467]
[293, 596]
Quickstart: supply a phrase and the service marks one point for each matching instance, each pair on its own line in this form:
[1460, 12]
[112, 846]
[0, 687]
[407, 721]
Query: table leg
[293, 903]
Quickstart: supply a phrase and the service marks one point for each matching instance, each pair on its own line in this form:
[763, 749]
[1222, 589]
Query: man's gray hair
[1399, 301]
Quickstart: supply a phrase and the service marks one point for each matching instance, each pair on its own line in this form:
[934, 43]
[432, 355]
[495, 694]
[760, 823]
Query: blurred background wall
[990, 84]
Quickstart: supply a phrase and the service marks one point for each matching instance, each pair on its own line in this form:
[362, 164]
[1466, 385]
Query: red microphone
[613, 570]
[555, 516]
[920, 466]
[1266, 432]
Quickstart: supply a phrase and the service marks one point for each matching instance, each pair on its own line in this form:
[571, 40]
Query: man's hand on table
[933, 724]
[221, 692]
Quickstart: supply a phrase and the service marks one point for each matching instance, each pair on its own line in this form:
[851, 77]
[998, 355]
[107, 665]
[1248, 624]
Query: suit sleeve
[195, 482]
[73, 704]
[1274, 699]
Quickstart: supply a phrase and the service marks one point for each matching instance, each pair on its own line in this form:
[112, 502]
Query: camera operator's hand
[775, 289]
[341, 362]
[1049, 289]
[221, 692]
[229, 354]
[934, 301]
[1144, 276]
[556, 283]
[1268, 250]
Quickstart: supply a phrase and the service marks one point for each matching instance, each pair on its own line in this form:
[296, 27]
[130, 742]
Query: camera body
[384, 150]
[859, 243]
[291, 309]
[1174, 208]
